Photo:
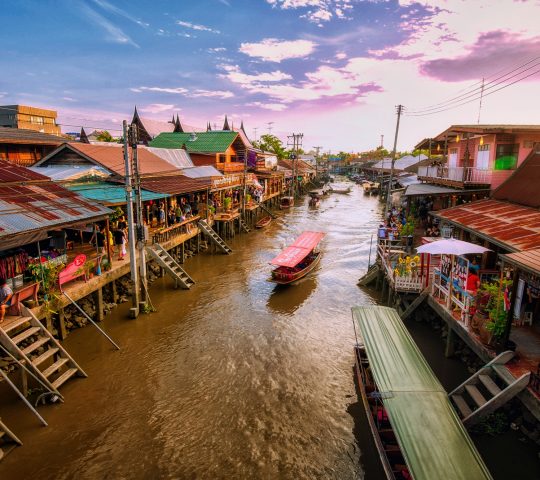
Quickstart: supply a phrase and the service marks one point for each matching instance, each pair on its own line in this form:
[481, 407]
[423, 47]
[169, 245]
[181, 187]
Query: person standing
[161, 214]
[5, 298]
[120, 242]
[178, 213]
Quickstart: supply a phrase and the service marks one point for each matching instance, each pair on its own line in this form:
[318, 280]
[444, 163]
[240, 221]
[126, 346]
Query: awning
[110, 193]
[431, 436]
[527, 260]
[421, 189]
[299, 250]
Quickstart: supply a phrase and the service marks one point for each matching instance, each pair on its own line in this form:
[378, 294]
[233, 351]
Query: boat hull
[286, 202]
[367, 408]
[298, 275]
[263, 222]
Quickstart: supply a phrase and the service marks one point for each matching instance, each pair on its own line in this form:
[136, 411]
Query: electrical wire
[486, 87]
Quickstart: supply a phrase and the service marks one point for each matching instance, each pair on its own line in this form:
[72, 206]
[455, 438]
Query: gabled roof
[175, 184]
[203, 142]
[513, 227]
[486, 129]
[28, 137]
[523, 186]
[38, 205]
[400, 164]
[111, 157]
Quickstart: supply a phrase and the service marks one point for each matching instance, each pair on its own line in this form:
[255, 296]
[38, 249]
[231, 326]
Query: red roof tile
[512, 226]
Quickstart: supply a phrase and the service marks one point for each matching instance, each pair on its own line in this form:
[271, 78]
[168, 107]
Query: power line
[483, 87]
[474, 99]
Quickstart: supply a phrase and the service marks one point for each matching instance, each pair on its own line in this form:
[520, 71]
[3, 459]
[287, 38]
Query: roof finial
[226, 124]
[178, 126]
[83, 138]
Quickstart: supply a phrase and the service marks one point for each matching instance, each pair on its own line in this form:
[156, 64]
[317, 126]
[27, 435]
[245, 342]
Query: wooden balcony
[460, 177]
[231, 167]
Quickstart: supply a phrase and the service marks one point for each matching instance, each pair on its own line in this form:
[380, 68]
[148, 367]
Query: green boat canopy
[430, 434]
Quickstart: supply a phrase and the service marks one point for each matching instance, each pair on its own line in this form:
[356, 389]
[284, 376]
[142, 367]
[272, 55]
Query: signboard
[232, 180]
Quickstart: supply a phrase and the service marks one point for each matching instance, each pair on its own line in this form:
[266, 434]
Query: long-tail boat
[286, 202]
[416, 430]
[297, 260]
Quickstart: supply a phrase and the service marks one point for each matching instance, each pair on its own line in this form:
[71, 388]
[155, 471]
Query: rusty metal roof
[523, 186]
[39, 204]
[513, 227]
[175, 184]
[111, 157]
[528, 260]
[28, 137]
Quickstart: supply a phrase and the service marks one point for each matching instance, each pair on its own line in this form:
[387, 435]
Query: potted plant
[491, 306]
[89, 268]
[227, 203]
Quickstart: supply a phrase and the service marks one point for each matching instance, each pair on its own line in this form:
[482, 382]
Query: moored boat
[286, 202]
[315, 199]
[416, 431]
[297, 260]
[341, 190]
[263, 222]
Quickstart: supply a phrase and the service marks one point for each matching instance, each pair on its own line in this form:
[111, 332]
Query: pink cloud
[491, 52]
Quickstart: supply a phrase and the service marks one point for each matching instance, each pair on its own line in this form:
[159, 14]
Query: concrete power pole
[389, 194]
[134, 311]
[317, 150]
[296, 144]
[140, 234]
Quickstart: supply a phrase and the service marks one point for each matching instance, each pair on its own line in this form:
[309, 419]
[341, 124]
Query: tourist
[178, 213]
[161, 215]
[122, 225]
[98, 239]
[111, 242]
[171, 217]
[473, 282]
[120, 240]
[5, 298]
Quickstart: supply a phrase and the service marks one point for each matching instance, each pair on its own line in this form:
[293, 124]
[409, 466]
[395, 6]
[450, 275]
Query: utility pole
[389, 194]
[481, 97]
[134, 311]
[245, 185]
[255, 130]
[382, 141]
[295, 143]
[134, 140]
[317, 150]
[270, 127]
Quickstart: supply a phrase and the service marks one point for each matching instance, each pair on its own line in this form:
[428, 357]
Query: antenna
[255, 130]
[270, 127]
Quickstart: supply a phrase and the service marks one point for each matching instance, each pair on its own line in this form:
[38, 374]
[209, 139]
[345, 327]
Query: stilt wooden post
[99, 301]
[62, 332]
[450, 344]
[114, 292]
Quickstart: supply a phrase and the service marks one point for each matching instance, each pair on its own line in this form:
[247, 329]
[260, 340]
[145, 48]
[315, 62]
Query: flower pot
[486, 337]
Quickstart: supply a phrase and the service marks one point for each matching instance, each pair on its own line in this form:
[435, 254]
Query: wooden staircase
[266, 209]
[8, 440]
[33, 345]
[171, 266]
[370, 276]
[216, 239]
[416, 303]
[243, 225]
[487, 390]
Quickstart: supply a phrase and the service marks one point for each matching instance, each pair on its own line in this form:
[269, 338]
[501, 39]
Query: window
[506, 156]
[37, 120]
[482, 159]
[452, 157]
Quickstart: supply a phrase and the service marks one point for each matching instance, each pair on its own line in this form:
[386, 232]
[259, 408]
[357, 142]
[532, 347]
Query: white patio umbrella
[451, 246]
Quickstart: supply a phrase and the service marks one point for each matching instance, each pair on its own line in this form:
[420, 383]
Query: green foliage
[408, 228]
[115, 216]
[495, 306]
[271, 143]
[492, 425]
[105, 136]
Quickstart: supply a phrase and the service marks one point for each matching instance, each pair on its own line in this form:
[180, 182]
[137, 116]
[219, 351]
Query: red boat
[297, 260]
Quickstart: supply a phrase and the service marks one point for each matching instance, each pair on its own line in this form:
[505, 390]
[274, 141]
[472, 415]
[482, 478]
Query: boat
[263, 222]
[366, 185]
[341, 190]
[417, 432]
[315, 200]
[297, 260]
[286, 202]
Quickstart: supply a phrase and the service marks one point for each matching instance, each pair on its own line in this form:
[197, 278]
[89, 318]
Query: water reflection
[288, 299]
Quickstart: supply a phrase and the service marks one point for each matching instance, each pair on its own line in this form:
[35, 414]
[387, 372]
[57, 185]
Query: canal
[233, 379]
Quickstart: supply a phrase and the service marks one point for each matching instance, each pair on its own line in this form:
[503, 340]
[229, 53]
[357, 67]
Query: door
[452, 158]
[482, 159]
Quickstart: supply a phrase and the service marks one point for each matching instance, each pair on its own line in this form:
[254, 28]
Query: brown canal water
[233, 379]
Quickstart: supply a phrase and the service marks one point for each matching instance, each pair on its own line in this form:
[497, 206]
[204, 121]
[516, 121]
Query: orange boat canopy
[300, 249]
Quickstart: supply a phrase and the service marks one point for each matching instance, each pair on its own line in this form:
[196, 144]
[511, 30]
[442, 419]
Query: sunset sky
[332, 69]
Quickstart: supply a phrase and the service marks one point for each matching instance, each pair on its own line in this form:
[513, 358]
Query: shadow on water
[286, 300]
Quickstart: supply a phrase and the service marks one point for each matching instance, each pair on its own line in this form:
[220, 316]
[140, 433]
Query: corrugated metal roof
[400, 164]
[512, 226]
[177, 157]
[528, 260]
[39, 205]
[175, 184]
[24, 136]
[202, 172]
[299, 165]
[205, 142]
[60, 173]
[419, 189]
[523, 186]
[406, 180]
[112, 158]
[110, 193]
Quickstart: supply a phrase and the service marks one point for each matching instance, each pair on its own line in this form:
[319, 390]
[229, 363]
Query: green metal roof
[430, 434]
[109, 193]
[205, 142]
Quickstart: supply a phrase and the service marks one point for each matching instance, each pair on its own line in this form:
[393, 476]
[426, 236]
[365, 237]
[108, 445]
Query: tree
[105, 136]
[271, 143]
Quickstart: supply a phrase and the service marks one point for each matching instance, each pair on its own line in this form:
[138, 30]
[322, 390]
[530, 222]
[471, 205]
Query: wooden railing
[454, 298]
[181, 228]
[457, 174]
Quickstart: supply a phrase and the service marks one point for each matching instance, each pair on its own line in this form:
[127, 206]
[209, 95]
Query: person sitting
[473, 282]
[5, 298]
